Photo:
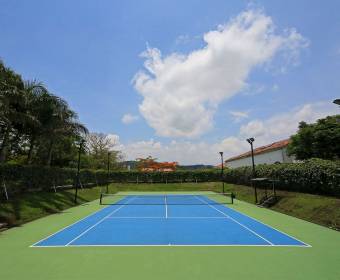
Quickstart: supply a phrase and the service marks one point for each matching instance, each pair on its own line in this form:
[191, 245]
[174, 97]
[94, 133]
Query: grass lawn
[20, 261]
[31, 206]
[318, 209]
[314, 208]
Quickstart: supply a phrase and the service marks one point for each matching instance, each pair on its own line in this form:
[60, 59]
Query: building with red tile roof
[273, 153]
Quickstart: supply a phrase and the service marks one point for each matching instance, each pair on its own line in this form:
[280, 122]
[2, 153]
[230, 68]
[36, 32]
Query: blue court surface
[197, 220]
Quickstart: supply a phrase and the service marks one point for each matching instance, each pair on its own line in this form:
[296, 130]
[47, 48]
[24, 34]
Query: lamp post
[336, 101]
[108, 172]
[221, 153]
[250, 141]
[81, 143]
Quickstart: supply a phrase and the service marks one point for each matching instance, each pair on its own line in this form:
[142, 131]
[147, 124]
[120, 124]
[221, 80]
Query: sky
[181, 80]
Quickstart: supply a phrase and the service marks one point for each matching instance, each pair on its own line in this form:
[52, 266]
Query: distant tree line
[38, 127]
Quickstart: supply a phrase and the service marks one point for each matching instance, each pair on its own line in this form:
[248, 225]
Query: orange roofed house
[160, 167]
[272, 153]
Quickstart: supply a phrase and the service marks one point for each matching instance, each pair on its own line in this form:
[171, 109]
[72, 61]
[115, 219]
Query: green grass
[322, 210]
[31, 206]
[19, 261]
[314, 208]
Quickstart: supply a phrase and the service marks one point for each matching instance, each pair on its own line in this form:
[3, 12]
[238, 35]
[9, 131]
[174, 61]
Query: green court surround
[20, 261]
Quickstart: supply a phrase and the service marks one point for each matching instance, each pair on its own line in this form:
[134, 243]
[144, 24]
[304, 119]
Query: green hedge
[20, 178]
[165, 177]
[312, 176]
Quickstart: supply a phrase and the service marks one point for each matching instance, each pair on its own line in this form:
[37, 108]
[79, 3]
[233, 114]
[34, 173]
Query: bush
[21, 178]
[164, 177]
[312, 176]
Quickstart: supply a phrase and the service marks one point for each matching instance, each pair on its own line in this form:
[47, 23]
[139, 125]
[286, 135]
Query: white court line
[280, 231]
[153, 217]
[172, 245]
[100, 221]
[78, 221]
[166, 207]
[180, 245]
[242, 225]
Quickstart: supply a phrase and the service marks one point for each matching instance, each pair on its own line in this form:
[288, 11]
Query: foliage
[312, 176]
[100, 150]
[36, 127]
[21, 178]
[317, 140]
[195, 167]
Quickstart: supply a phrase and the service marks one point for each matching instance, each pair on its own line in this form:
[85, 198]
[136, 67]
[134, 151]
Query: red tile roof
[264, 149]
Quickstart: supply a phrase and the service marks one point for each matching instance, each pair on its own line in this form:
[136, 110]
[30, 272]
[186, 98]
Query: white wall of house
[269, 158]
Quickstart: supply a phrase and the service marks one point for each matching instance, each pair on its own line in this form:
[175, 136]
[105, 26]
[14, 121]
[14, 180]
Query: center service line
[166, 207]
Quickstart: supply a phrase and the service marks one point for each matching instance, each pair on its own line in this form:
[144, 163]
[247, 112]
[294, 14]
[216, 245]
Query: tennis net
[167, 199]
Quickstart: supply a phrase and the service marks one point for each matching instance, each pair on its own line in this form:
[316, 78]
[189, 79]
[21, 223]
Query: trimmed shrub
[311, 176]
[20, 178]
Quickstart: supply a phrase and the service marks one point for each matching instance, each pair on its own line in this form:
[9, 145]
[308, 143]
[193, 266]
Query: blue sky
[217, 71]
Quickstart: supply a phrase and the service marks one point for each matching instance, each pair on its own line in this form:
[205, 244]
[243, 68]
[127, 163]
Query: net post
[232, 197]
[101, 199]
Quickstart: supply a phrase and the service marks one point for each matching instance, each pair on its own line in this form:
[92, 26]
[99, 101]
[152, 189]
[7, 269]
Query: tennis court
[199, 219]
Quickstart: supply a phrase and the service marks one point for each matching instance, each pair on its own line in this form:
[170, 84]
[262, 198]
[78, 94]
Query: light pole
[108, 172]
[81, 143]
[221, 153]
[250, 141]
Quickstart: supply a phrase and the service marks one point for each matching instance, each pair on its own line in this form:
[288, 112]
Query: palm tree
[37, 95]
[62, 122]
[11, 106]
[30, 115]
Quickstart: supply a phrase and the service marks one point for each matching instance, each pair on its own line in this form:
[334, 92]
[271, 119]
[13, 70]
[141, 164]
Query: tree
[11, 106]
[62, 122]
[317, 140]
[34, 123]
[37, 95]
[98, 146]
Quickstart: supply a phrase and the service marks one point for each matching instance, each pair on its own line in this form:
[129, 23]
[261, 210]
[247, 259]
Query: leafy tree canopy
[317, 140]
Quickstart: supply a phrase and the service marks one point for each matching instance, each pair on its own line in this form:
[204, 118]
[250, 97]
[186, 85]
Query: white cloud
[283, 125]
[114, 139]
[254, 128]
[182, 92]
[275, 128]
[238, 115]
[256, 89]
[114, 142]
[185, 152]
[128, 118]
